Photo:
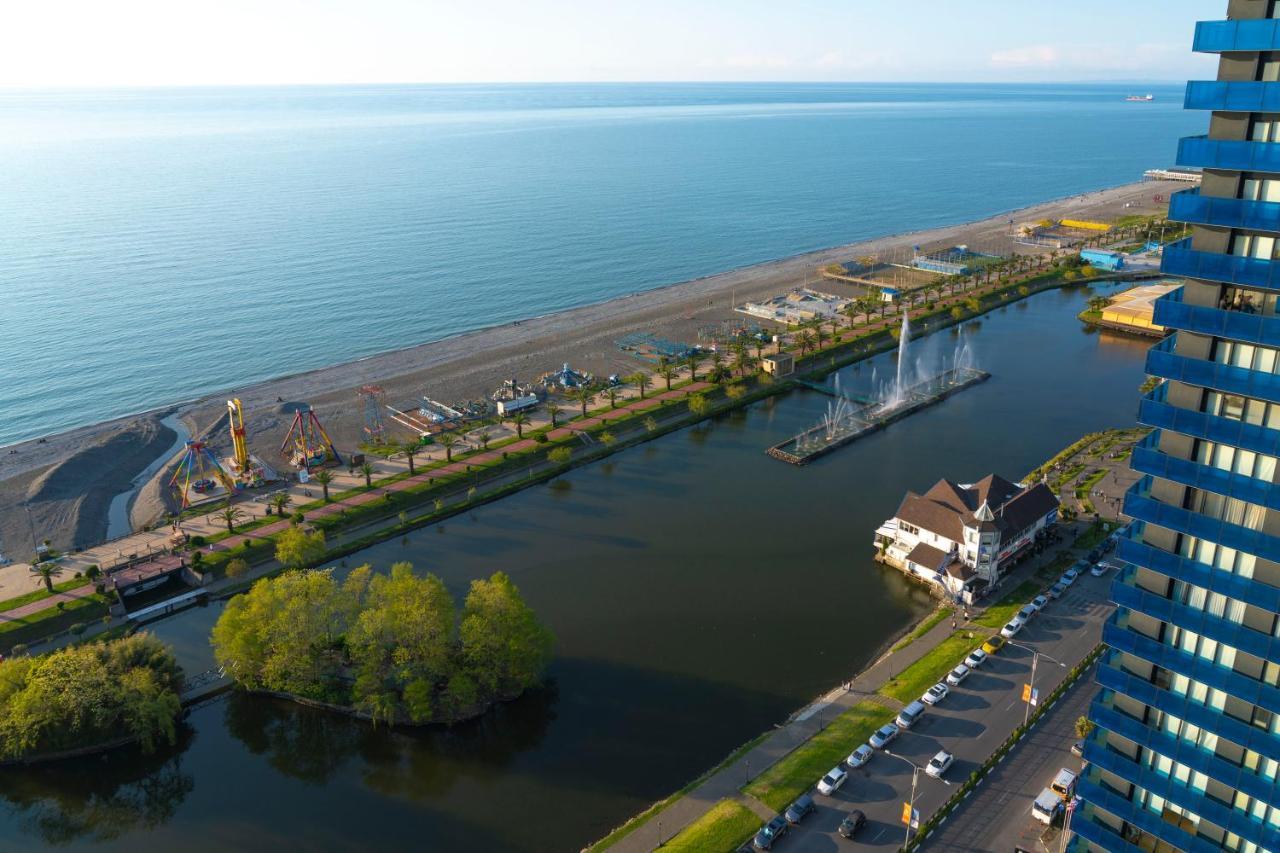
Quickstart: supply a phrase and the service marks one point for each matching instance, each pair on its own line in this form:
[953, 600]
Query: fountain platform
[871, 417]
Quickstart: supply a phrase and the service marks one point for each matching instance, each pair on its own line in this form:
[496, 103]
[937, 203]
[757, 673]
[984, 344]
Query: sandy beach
[66, 481]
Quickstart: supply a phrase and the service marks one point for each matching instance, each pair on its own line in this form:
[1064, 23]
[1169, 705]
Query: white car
[957, 675]
[1027, 612]
[939, 764]
[1058, 589]
[976, 658]
[1011, 630]
[1068, 577]
[1099, 570]
[935, 694]
[831, 783]
[1041, 602]
[884, 736]
[860, 756]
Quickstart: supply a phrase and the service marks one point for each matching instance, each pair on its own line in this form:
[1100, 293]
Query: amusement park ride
[311, 445]
[199, 470]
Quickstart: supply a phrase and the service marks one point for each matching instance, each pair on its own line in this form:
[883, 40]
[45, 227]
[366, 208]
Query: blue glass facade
[1186, 752]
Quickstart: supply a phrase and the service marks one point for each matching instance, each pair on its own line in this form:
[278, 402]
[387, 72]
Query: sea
[160, 244]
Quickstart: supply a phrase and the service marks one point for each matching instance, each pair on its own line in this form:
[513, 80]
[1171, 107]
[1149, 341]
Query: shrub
[541, 438]
[77, 629]
[198, 541]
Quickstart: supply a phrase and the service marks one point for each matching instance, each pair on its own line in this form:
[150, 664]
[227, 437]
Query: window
[1236, 461]
[1213, 603]
[1254, 187]
[1268, 68]
[1265, 127]
[1237, 408]
[1218, 556]
[1247, 301]
[1228, 510]
[1248, 356]
[1246, 244]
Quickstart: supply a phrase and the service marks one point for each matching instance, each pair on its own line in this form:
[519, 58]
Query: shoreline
[469, 364]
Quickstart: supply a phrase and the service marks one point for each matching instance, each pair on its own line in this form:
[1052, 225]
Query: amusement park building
[1186, 750]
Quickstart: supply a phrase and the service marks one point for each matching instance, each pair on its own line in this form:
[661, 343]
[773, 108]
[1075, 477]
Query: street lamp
[911, 802]
[1035, 658]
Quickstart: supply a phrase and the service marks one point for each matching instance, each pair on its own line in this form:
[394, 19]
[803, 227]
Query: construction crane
[240, 449]
[197, 471]
[311, 444]
[373, 427]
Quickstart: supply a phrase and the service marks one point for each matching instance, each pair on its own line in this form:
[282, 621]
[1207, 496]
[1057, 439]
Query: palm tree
[449, 441]
[410, 449]
[693, 359]
[743, 362]
[230, 515]
[805, 340]
[324, 477]
[819, 334]
[667, 371]
[584, 394]
[367, 470]
[47, 572]
[518, 420]
[717, 362]
[612, 394]
[1098, 303]
[553, 409]
[280, 500]
[485, 438]
[640, 379]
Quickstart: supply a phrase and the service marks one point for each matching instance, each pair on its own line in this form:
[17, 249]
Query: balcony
[1188, 754]
[1258, 34]
[1112, 677]
[1190, 206]
[1083, 826]
[1200, 574]
[1226, 817]
[1214, 675]
[1139, 504]
[1180, 259]
[1172, 313]
[1233, 96]
[1164, 362]
[1230, 154]
[1125, 593]
[1155, 411]
[1149, 459]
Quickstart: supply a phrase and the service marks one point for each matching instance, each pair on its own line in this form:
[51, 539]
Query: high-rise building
[1187, 745]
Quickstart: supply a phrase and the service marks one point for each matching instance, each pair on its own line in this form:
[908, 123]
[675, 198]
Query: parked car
[935, 694]
[909, 715]
[884, 736]
[957, 675]
[770, 833]
[831, 783]
[1058, 589]
[1027, 612]
[1064, 784]
[1011, 630]
[976, 658]
[852, 822]
[1046, 807]
[860, 756]
[993, 645]
[1099, 570]
[1040, 602]
[1077, 749]
[796, 811]
[1069, 577]
[939, 764]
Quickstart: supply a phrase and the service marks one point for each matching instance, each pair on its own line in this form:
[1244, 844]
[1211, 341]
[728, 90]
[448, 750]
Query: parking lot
[971, 723]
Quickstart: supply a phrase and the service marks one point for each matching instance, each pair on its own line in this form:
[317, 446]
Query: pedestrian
[953, 624]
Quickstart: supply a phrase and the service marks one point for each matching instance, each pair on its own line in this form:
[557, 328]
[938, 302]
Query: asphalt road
[970, 723]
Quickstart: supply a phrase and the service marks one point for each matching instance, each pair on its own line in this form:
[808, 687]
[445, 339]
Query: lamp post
[911, 802]
[1035, 659]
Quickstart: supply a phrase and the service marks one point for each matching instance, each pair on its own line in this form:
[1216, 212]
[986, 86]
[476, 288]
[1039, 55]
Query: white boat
[1142, 98]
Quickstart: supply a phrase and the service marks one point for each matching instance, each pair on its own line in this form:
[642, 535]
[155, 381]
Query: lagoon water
[699, 591]
[157, 245]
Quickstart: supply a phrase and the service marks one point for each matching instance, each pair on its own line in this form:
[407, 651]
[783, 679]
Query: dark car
[797, 810]
[771, 832]
[852, 823]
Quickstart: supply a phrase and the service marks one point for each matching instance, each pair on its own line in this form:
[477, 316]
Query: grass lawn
[799, 771]
[1094, 535]
[721, 830]
[931, 668]
[52, 620]
[923, 628]
[1002, 611]
[42, 594]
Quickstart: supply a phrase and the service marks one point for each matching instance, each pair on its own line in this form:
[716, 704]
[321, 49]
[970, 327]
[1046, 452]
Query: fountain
[848, 418]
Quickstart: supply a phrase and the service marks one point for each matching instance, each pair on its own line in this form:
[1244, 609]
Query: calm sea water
[157, 245]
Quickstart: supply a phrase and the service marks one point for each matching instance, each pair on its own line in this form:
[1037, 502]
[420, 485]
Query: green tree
[237, 568]
[692, 361]
[1084, 727]
[583, 396]
[957, 313]
[518, 420]
[324, 477]
[607, 438]
[650, 423]
[553, 409]
[484, 437]
[559, 456]
[279, 501]
[47, 572]
[504, 646]
[699, 404]
[448, 441]
[1098, 303]
[410, 449]
[641, 380]
[367, 471]
[296, 548]
[667, 371]
[230, 515]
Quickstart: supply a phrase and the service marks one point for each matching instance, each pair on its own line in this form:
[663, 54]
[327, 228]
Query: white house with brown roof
[964, 537]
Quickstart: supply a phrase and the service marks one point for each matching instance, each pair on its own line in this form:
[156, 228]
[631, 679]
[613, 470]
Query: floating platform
[824, 438]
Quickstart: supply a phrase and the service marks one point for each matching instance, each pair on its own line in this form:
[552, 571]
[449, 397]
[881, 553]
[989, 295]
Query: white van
[908, 716]
[1064, 784]
[1046, 806]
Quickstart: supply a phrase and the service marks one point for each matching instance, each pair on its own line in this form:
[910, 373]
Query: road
[998, 815]
[970, 723]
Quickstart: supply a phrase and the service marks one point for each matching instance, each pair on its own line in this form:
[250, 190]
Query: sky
[77, 43]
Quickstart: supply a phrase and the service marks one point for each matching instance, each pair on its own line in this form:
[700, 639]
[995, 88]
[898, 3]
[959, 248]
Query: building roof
[960, 571]
[992, 503]
[928, 556]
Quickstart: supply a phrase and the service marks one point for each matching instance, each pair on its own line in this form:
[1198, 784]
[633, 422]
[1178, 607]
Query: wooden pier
[814, 442]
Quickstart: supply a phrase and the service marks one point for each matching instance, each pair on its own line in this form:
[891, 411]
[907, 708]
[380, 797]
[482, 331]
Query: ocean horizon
[160, 244]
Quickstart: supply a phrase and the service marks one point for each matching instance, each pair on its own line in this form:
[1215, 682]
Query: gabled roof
[928, 556]
[992, 503]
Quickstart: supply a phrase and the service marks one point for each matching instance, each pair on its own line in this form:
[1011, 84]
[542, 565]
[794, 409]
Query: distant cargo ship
[1143, 98]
